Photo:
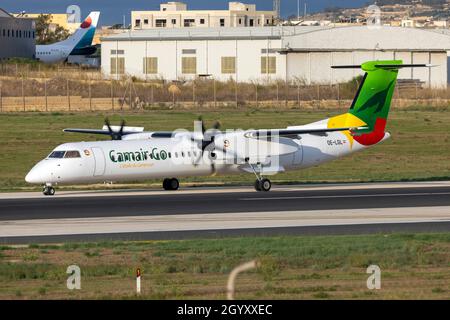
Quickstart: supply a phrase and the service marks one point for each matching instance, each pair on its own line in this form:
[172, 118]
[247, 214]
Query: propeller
[115, 135]
[206, 143]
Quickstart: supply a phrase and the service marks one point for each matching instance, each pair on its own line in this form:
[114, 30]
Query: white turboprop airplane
[78, 43]
[137, 155]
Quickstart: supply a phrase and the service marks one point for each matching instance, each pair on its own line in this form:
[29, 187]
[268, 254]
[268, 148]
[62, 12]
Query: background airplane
[80, 43]
[137, 155]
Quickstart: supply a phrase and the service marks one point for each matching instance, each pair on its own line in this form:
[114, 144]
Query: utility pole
[304, 12]
[298, 9]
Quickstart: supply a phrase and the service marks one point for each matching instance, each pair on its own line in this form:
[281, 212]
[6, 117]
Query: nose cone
[34, 176]
[39, 173]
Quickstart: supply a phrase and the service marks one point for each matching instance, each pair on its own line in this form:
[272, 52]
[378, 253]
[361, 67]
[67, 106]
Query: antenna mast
[277, 8]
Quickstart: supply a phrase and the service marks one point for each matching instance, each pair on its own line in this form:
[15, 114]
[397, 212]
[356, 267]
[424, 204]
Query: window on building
[137, 23]
[146, 21]
[189, 51]
[189, 22]
[174, 21]
[189, 65]
[267, 21]
[117, 65]
[251, 23]
[228, 65]
[160, 23]
[150, 65]
[240, 21]
[222, 22]
[202, 21]
[268, 65]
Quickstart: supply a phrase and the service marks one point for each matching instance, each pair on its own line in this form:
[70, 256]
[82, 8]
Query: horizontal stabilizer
[289, 133]
[386, 66]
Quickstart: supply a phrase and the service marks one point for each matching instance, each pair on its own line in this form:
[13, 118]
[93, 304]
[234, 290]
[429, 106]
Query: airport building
[176, 15]
[56, 19]
[303, 54]
[17, 37]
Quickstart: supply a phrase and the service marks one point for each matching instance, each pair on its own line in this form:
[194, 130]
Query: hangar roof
[306, 38]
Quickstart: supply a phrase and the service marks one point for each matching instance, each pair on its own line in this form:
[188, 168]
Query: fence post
[236, 93]
[23, 93]
[286, 94]
[90, 96]
[112, 94]
[1, 98]
[152, 95]
[193, 93]
[256, 94]
[278, 95]
[339, 95]
[318, 95]
[45, 93]
[215, 93]
[68, 94]
[298, 95]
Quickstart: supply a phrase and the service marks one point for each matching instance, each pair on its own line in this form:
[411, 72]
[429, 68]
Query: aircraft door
[100, 162]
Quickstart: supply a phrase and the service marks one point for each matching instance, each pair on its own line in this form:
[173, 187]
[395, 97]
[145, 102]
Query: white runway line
[213, 190]
[351, 196]
[222, 221]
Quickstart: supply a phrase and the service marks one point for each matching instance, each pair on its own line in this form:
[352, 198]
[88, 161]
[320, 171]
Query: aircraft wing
[105, 131]
[293, 133]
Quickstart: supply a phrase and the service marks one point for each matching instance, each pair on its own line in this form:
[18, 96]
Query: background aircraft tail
[82, 38]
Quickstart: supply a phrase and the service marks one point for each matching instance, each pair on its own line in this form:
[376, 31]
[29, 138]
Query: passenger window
[176, 154]
[57, 154]
[72, 154]
[182, 154]
[189, 154]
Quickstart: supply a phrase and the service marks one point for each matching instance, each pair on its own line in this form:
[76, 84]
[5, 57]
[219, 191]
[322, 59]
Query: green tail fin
[373, 99]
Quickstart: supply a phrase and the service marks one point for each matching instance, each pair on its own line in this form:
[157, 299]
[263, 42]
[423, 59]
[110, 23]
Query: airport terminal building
[303, 54]
[17, 37]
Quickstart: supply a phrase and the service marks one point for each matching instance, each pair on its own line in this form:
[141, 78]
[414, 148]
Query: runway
[206, 212]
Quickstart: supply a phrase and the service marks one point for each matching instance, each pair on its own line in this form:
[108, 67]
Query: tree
[46, 33]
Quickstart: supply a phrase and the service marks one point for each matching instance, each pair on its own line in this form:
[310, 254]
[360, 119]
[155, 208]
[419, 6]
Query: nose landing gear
[48, 191]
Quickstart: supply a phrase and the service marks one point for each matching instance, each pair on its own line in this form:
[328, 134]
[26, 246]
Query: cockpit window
[72, 154]
[57, 154]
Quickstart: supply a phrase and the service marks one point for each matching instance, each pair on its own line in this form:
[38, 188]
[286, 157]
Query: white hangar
[273, 53]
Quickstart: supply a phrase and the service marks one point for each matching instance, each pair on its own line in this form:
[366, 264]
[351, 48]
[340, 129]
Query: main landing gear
[261, 184]
[171, 184]
[48, 191]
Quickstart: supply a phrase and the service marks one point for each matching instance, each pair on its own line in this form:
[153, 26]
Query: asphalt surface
[78, 205]
[172, 203]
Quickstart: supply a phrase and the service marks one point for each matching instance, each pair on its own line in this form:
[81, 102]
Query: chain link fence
[55, 88]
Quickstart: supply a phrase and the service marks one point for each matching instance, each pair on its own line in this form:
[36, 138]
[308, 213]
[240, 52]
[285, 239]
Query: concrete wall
[23, 45]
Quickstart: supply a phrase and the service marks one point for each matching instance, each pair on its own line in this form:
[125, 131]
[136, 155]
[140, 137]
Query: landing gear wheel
[48, 191]
[174, 184]
[166, 184]
[263, 185]
[171, 184]
[257, 185]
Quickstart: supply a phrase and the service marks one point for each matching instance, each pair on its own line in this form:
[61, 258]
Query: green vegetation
[323, 267]
[418, 150]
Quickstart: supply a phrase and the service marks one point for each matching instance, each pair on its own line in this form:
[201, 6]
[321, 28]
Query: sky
[114, 10]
